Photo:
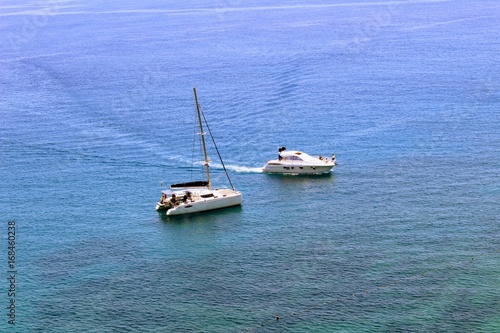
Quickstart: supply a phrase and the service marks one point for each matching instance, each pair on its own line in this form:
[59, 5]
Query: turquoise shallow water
[97, 111]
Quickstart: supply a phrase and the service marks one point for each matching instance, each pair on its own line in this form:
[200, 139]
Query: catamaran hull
[206, 204]
[297, 169]
[162, 206]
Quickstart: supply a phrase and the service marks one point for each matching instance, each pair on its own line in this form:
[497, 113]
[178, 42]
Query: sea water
[97, 117]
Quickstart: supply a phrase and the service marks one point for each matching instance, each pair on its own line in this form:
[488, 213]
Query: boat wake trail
[238, 168]
[243, 169]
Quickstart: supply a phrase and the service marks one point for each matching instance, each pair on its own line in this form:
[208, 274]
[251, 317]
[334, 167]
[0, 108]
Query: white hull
[221, 199]
[297, 162]
[277, 167]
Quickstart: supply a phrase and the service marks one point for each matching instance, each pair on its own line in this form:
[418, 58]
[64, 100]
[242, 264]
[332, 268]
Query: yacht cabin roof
[298, 154]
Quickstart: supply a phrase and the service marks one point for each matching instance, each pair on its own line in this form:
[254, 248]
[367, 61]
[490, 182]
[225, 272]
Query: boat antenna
[215, 145]
[207, 168]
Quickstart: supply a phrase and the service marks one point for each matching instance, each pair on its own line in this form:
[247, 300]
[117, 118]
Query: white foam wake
[238, 168]
[244, 169]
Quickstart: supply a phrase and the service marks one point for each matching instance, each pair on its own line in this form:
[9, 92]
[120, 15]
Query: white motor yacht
[297, 162]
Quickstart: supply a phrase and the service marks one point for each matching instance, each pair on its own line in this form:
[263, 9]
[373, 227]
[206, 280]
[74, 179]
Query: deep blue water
[97, 111]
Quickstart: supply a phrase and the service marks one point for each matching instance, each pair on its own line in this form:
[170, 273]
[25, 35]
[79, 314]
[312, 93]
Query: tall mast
[202, 138]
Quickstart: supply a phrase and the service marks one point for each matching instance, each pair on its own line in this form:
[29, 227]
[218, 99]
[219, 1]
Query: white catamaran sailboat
[198, 196]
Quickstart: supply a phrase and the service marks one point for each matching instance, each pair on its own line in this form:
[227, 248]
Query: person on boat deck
[185, 198]
[163, 198]
[173, 200]
[279, 153]
[189, 195]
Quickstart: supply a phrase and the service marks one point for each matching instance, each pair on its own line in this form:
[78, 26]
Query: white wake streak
[432, 25]
[237, 168]
[211, 10]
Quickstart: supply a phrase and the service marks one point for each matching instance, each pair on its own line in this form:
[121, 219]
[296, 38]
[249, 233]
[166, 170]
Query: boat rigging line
[217, 149]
